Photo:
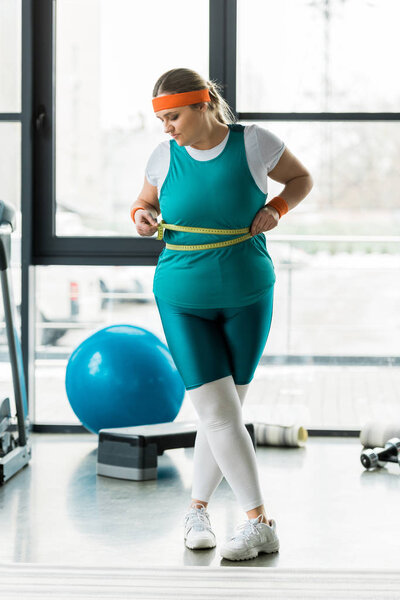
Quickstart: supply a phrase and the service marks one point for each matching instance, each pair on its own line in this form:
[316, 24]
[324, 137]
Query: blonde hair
[180, 80]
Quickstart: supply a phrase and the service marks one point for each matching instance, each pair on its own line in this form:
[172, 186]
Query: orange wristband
[280, 204]
[134, 210]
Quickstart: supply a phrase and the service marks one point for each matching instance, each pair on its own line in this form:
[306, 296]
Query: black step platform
[131, 452]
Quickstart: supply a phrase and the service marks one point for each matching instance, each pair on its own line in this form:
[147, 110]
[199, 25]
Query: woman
[214, 287]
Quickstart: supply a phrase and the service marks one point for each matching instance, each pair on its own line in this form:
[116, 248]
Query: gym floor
[330, 511]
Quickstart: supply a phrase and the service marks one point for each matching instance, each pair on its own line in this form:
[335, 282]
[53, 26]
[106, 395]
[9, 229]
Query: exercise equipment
[123, 376]
[15, 451]
[378, 457]
[268, 434]
[377, 432]
[131, 452]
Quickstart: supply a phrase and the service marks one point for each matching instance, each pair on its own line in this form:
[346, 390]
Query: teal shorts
[210, 343]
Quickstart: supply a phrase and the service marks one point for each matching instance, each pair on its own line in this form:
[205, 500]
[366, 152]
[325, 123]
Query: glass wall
[354, 166]
[327, 362]
[338, 287]
[107, 62]
[317, 56]
[324, 307]
[10, 56]
[10, 166]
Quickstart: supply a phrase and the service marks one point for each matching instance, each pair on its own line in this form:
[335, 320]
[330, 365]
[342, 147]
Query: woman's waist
[187, 236]
[247, 252]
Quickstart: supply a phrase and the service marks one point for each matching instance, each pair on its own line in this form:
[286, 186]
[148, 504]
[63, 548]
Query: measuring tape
[163, 225]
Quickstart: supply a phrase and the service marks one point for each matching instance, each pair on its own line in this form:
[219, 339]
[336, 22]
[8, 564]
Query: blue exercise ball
[122, 376]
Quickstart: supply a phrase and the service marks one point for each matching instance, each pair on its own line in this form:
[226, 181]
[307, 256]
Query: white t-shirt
[263, 151]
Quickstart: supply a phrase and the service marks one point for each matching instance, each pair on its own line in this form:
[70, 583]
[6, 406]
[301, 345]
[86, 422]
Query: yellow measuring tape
[163, 225]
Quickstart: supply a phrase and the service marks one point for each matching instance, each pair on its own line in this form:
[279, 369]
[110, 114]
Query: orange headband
[175, 100]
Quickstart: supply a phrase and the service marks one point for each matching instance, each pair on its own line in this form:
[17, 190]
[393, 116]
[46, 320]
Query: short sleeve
[158, 164]
[151, 171]
[270, 147]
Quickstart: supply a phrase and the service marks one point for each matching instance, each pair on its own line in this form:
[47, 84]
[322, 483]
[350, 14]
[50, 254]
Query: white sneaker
[252, 537]
[198, 532]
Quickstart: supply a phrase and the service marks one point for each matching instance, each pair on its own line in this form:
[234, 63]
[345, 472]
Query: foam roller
[377, 433]
[280, 435]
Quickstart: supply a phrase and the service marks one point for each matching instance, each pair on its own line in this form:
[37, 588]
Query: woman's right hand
[145, 223]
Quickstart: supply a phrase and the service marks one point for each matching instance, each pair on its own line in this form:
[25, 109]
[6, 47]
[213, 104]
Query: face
[182, 123]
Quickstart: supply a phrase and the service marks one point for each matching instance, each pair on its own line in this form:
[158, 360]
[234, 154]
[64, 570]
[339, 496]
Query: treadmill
[15, 450]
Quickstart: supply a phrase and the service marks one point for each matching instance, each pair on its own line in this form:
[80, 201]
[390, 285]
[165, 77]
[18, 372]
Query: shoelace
[198, 517]
[245, 530]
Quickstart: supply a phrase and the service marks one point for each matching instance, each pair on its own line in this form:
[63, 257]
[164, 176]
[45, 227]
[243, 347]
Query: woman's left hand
[267, 218]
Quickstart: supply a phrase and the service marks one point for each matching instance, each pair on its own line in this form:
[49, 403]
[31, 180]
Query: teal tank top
[218, 193]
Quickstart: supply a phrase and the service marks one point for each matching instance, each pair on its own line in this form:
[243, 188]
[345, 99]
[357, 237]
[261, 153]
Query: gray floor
[330, 511]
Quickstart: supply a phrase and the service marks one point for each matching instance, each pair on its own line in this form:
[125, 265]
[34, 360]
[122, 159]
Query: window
[314, 56]
[108, 61]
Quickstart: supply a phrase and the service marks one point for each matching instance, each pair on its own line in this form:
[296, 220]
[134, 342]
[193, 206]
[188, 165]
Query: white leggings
[223, 446]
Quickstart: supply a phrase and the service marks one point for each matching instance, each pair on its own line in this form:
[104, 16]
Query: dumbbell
[378, 457]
